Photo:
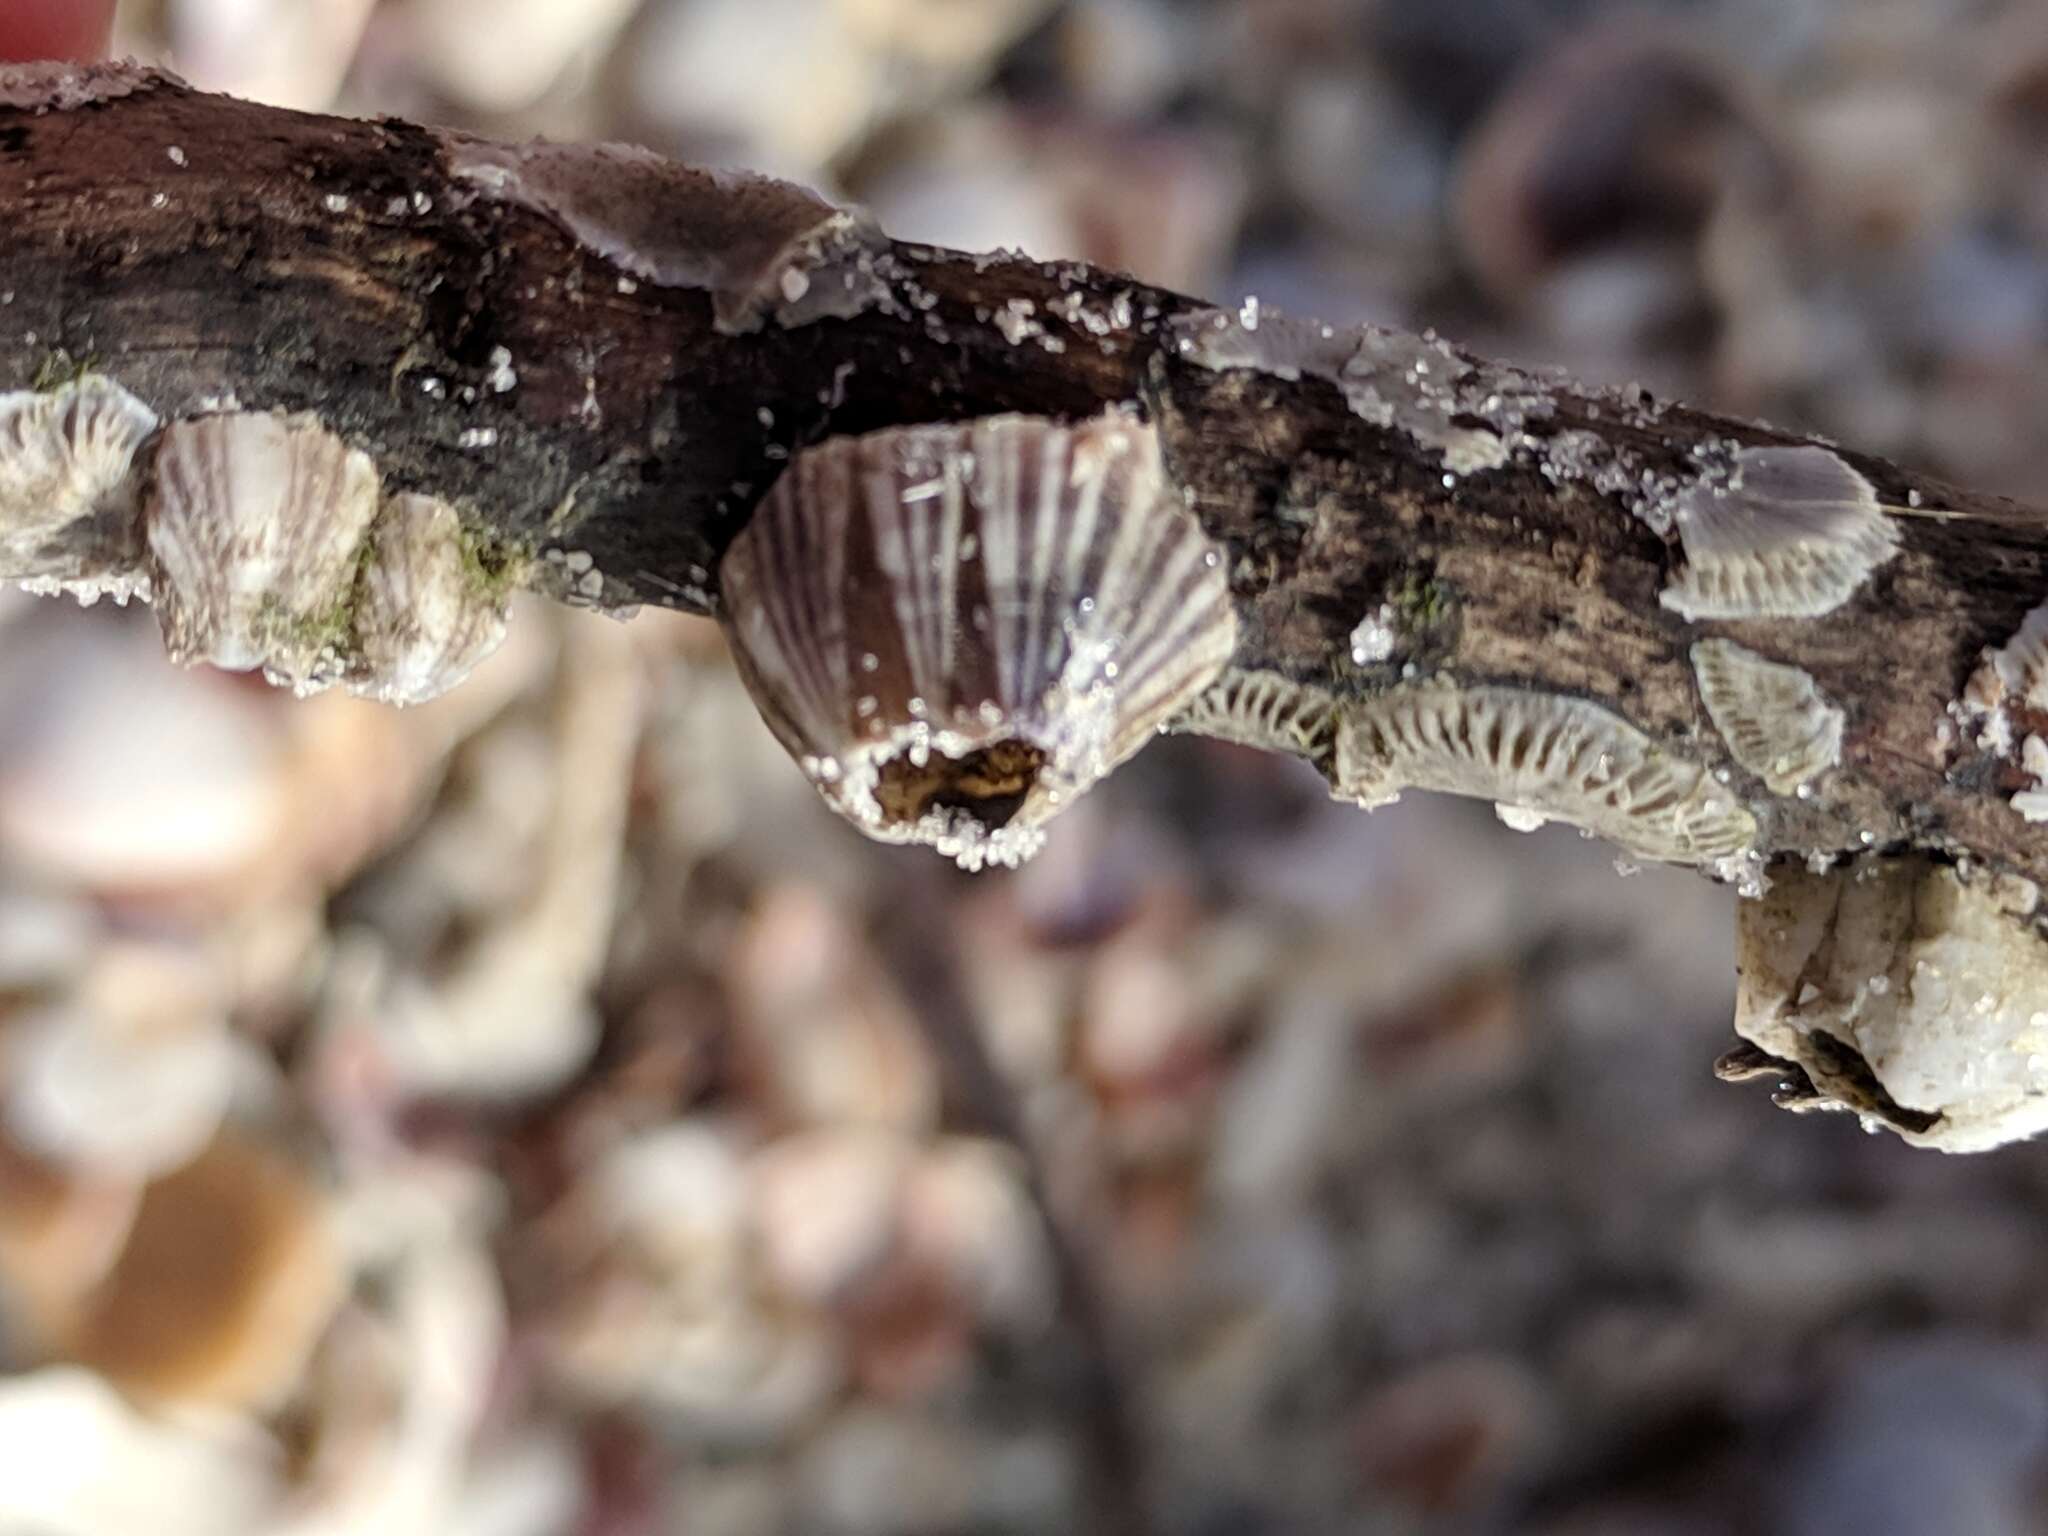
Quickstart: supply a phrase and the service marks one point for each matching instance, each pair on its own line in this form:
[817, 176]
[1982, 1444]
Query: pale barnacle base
[1542, 755]
[1904, 991]
[1789, 532]
[1774, 718]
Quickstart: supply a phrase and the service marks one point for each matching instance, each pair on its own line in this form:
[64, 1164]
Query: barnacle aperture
[956, 629]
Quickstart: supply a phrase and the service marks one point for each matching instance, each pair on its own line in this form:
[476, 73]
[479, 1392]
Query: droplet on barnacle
[1263, 709]
[1562, 758]
[1791, 532]
[978, 732]
[1774, 717]
[1906, 991]
[427, 608]
[68, 481]
[254, 524]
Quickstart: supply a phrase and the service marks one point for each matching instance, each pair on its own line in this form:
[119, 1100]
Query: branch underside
[1443, 573]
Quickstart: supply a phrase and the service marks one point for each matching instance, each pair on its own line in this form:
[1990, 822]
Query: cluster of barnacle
[262, 539]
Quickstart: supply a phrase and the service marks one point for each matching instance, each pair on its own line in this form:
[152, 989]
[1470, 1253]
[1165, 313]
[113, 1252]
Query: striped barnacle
[1774, 718]
[1263, 709]
[426, 609]
[254, 526]
[1547, 755]
[958, 629]
[68, 482]
[1789, 532]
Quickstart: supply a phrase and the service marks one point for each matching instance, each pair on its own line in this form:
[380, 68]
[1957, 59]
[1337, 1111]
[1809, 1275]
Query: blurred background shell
[578, 1109]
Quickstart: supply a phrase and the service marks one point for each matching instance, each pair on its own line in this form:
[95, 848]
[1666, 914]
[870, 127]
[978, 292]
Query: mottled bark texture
[603, 362]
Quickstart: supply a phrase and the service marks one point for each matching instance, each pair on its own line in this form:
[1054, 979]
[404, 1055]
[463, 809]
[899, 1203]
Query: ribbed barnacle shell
[255, 523]
[1545, 755]
[1265, 710]
[1790, 533]
[957, 629]
[67, 478]
[426, 611]
[1774, 718]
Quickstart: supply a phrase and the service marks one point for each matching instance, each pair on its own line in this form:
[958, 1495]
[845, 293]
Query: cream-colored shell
[1904, 993]
[68, 479]
[2016, 672]
[424, 614]
[1774, 717]
[957, 629]
[253, 527]
[270, 546]
[1562, 758]
[1790, 532]
[1265, 710]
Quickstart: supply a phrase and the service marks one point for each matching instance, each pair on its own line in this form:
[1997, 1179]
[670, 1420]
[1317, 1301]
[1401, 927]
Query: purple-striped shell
[957, 629]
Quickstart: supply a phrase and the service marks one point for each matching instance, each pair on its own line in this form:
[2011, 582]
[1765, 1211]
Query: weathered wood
[201, 250]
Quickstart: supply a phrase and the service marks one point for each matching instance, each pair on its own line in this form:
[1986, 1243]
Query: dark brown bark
[198, 248]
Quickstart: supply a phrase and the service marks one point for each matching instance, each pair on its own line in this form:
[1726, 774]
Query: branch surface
[606, 360]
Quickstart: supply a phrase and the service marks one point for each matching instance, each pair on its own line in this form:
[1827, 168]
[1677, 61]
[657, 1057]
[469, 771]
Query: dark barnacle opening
[990, 784]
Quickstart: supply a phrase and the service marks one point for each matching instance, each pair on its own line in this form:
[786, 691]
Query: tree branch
[1445, 573]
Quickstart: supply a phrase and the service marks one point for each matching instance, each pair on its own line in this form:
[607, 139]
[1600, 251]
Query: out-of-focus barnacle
[1775, 719]
[821, 1034]
[1905, 992]
[60, 1231]
[498, 57]
[431, 604]
[68, 478]
[229, 1273]
[119, 777]
[1622, 141]
[664, 1309]
[1787, 532]
[79, 1459]
[128, 1075]
[1562, 758]
[958, 629]
[254, 524]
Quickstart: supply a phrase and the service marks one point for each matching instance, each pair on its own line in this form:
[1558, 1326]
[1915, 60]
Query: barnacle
[271, 547]
[1774, 718]
[1906, 992]
[68, 479]
[427, 611]
[1543, 754]
[760, 247]
[253, 528]
[1263, 709]
[1791, 532]
[957, 629]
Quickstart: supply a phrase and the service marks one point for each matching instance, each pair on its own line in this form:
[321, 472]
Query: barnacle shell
[1545, 754]
[955, 629]
[67, 478]
[426, 611]
[1791, 532]
[1774, 718]
[760, 247]
[254, 527]
[2016, 671]
[1263, 709]
[1905, 993]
